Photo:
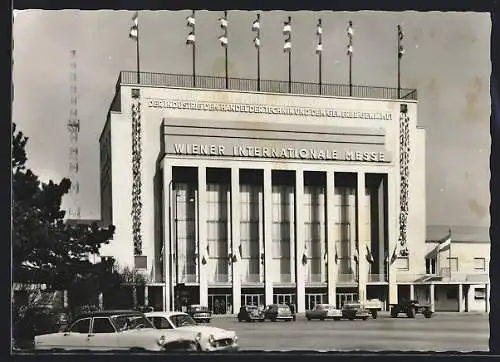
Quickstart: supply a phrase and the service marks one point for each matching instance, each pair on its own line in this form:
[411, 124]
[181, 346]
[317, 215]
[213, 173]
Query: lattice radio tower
[73, 129]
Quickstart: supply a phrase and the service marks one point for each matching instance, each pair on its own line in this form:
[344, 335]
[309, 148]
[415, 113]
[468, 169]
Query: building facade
[230, 197]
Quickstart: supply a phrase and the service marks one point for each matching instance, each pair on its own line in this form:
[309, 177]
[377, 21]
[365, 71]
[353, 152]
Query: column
[299, 241]
[433, 298]
[235, 236]
[331, 219]
[460, 297]
[486, 298]
[268, 246]
[412, 292]
[202, 234]
[381, 229]
[167, 239]
[362, 236]
[392, 236]
[146, 295]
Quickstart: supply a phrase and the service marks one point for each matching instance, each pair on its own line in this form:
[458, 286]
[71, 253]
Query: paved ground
[443, 332]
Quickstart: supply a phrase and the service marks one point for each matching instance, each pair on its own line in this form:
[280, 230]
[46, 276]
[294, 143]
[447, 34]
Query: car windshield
[131, 321]
[182, 320]
[283, 309]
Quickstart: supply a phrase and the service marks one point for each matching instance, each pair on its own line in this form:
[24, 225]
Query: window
[430, 266]
[479, 293]
[453, 263]
[81, 326]
[102, 325]
[480, 264]
[403, 263]
[161, 323]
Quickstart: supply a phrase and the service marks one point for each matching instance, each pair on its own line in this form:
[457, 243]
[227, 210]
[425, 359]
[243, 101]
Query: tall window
[479, 264]
[453, 264]
[430, 265]
[314, 230]
[282, 216]
[217, 220]
[249, 230]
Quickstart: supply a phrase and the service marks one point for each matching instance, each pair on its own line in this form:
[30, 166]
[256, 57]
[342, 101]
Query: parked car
[114, 330]
[324, 311]
[353, 311]
[199, 313]
[275, 312]
[250, 313]
[410, 308]
[209, 339]
[373, 306]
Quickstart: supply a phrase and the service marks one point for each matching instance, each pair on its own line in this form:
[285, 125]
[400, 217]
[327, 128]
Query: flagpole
[399, 61]
[194, 56]
[138, 58]
[350, 51]
[290, 60]
[225, 49]
[320, 54]
[258, 55]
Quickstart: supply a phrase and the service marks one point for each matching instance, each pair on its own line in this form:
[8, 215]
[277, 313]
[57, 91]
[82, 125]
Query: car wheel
[374, 314]
[308, 318]
[411, 313]
[351, 318]
[364, 318]
[427, 314]
[394, 313]
[322, 319]
[336, 319]
[273, 319]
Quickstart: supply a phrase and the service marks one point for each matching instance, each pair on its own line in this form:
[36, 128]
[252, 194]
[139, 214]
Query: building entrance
[313, 299]
[284, 298]
[252, 299]
[220, 303]
[343, 298]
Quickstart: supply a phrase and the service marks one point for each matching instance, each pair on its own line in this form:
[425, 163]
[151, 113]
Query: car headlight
[198, 337]
[162, 340]
[235, 339]
[211, 339]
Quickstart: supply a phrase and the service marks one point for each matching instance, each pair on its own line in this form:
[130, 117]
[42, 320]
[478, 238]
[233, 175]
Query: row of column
[432, 296]
[201, 237]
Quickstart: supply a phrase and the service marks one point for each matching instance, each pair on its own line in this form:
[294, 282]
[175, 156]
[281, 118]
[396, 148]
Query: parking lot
[443, 332]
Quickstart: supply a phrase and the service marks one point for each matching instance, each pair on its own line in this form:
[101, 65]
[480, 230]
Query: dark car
[250, 313]
[200, 313]
[410, 308]
[353, 311]
[275, 312]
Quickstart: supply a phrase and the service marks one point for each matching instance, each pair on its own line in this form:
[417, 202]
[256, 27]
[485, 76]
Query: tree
[45, 248]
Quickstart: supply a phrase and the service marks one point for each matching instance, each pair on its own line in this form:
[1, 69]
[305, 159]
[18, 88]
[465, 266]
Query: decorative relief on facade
[404, 156]
[136, 173]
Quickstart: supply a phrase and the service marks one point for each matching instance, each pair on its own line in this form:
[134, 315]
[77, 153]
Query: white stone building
[263, 197]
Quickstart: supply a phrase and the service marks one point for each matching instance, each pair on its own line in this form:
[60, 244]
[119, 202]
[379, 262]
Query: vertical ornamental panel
[136, 172]
[404, 152]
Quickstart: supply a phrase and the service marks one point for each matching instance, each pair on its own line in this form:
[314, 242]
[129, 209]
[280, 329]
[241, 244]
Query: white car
[114, 330]
[210, 339]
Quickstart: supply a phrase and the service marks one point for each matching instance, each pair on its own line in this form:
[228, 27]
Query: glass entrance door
[284, 299]
[313, 299]
[220, 303]
[343, 298]
[252, 299]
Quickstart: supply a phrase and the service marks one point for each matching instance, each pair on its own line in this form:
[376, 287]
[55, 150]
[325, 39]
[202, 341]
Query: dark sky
[447, 59]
